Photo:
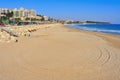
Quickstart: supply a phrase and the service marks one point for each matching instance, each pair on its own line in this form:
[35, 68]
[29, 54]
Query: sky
[82, 10]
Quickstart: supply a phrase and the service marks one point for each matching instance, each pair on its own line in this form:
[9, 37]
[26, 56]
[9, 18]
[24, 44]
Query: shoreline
[107, 37]
[109, 33]
[55, 52]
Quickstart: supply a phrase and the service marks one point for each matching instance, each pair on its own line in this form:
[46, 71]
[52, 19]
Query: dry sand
[58, 53]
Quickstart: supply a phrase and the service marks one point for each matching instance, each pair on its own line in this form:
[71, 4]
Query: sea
[103, 28]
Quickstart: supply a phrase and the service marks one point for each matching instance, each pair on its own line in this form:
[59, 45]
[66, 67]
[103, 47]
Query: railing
[9, 32]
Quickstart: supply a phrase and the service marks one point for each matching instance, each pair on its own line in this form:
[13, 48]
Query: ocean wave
[99, 30]
[96, 29]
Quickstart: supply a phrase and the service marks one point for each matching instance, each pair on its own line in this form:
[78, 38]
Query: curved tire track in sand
[100, 55]
[108, 57]
[104, 56]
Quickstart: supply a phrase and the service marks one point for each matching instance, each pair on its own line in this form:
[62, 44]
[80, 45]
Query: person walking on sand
[16, 40]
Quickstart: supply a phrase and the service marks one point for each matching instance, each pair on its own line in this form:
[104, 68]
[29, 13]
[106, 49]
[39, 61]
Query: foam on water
[110, 29]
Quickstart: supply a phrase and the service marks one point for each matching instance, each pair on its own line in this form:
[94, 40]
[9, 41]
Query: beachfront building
[5, 10]
[19, 13]
[23, 13]
[14, 16]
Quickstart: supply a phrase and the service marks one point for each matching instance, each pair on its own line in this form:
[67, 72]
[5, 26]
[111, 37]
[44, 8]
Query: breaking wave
[98, 28]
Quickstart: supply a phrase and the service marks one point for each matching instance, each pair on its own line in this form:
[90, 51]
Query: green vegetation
[6, 18]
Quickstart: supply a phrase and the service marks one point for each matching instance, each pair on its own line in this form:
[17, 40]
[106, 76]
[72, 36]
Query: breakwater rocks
[11, 34]
[6, 37]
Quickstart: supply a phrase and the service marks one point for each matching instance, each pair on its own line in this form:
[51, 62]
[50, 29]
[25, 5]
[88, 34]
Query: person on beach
[16, 40]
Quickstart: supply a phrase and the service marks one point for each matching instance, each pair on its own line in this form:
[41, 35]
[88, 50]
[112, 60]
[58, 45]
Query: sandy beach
[54, 52]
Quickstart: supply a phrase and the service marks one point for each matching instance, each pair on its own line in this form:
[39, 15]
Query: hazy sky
[95, 10]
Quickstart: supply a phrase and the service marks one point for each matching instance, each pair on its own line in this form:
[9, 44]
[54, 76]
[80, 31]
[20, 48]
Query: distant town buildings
[84, 22]
[45, 18]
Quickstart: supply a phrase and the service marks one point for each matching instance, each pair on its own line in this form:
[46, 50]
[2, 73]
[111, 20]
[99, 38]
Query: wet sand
[57, 53]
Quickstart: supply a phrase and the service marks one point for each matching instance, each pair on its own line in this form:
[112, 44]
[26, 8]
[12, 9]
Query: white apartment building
[18, 13]
[5, 10]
